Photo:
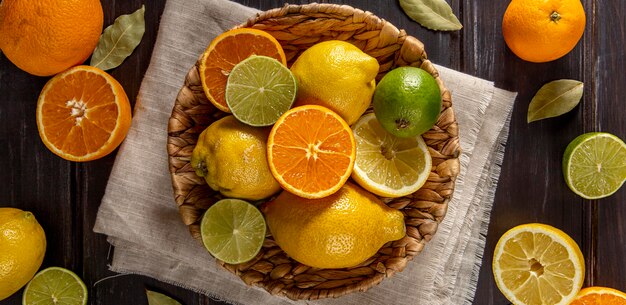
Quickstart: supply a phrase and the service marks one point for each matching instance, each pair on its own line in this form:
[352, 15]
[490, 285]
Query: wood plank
[531, 186]
[608, 69]
[33, 178]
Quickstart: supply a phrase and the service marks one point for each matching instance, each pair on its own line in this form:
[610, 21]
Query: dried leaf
[555, 98]
[433, 14]
[119, 40]
[155, 298]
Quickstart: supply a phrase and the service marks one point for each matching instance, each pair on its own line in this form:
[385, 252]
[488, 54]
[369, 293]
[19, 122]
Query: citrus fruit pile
[291, 140]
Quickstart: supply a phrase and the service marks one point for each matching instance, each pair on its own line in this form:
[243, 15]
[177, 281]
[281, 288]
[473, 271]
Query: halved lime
[259, 90]
[594, 165]
[233, 230]
[55, 286]
[387, 165]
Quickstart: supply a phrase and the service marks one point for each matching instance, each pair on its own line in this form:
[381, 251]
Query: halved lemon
[537, 264]
[387, 165]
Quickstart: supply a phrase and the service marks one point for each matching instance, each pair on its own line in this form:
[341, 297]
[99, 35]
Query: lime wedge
[55, 286]
[233, 231]
[259, 90]
[387, 165]
[594, 165]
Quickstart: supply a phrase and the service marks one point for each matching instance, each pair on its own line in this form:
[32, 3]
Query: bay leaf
[119, 40]
[155, 298]
[555, 98]
[433, 14]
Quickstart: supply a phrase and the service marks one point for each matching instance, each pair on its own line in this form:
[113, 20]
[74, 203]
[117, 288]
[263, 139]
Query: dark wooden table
[65, 196]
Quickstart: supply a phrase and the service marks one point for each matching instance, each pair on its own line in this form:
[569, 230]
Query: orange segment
[83, 114]
[600, 296]
[226, 51]
[311, 151]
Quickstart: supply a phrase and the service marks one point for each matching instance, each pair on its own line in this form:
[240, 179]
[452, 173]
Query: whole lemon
[46, 37]
[22, 248]
[232, 158]
[543, 30]
[338, 231]
[337, 75]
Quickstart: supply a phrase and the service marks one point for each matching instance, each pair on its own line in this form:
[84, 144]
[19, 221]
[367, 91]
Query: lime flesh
[55, 286]
[259, 90]
[233, 231]
[594, 165]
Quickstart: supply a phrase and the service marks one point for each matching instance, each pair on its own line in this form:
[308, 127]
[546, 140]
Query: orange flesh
[599, 299]
[312, 151]
[79, 113]
[228, 52]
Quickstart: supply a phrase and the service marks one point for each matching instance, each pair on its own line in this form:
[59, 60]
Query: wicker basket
[298, 27]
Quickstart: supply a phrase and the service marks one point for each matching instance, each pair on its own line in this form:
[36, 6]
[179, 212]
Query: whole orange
[46, 37]
[543, 30]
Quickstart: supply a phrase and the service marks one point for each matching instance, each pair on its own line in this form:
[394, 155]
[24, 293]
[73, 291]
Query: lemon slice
[594, 165]
[536, 264]
[387, 165]
[233, 230]
[55, 286]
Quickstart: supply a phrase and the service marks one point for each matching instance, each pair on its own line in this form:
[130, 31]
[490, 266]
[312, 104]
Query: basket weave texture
[297, 27]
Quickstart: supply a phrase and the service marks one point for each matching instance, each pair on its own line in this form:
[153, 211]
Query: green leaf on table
[119, 40]
[555, 98]
[433, 14]
[155, 298]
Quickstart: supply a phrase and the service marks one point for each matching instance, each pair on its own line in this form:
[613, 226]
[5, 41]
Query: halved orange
[311, 151]
[83, 114]
[226, 51]
[599, 296]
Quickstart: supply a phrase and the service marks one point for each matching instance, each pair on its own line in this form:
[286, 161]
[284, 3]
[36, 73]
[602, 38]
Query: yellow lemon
[23, 245]
[232, 158]
[538, 264]
[338, 231]
[337, 75]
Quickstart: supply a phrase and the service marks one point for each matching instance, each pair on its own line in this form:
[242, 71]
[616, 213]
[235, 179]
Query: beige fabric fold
[139, 214]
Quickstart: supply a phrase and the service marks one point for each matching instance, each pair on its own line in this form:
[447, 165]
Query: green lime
[233, 230]
[407, 102]
[259, 90]
[594, 165]
[55, 286]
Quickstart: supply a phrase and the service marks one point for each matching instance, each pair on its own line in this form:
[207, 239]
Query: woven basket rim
[424, 210]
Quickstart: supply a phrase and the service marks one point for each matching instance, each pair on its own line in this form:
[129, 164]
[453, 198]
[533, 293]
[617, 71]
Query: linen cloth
[141, 219]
